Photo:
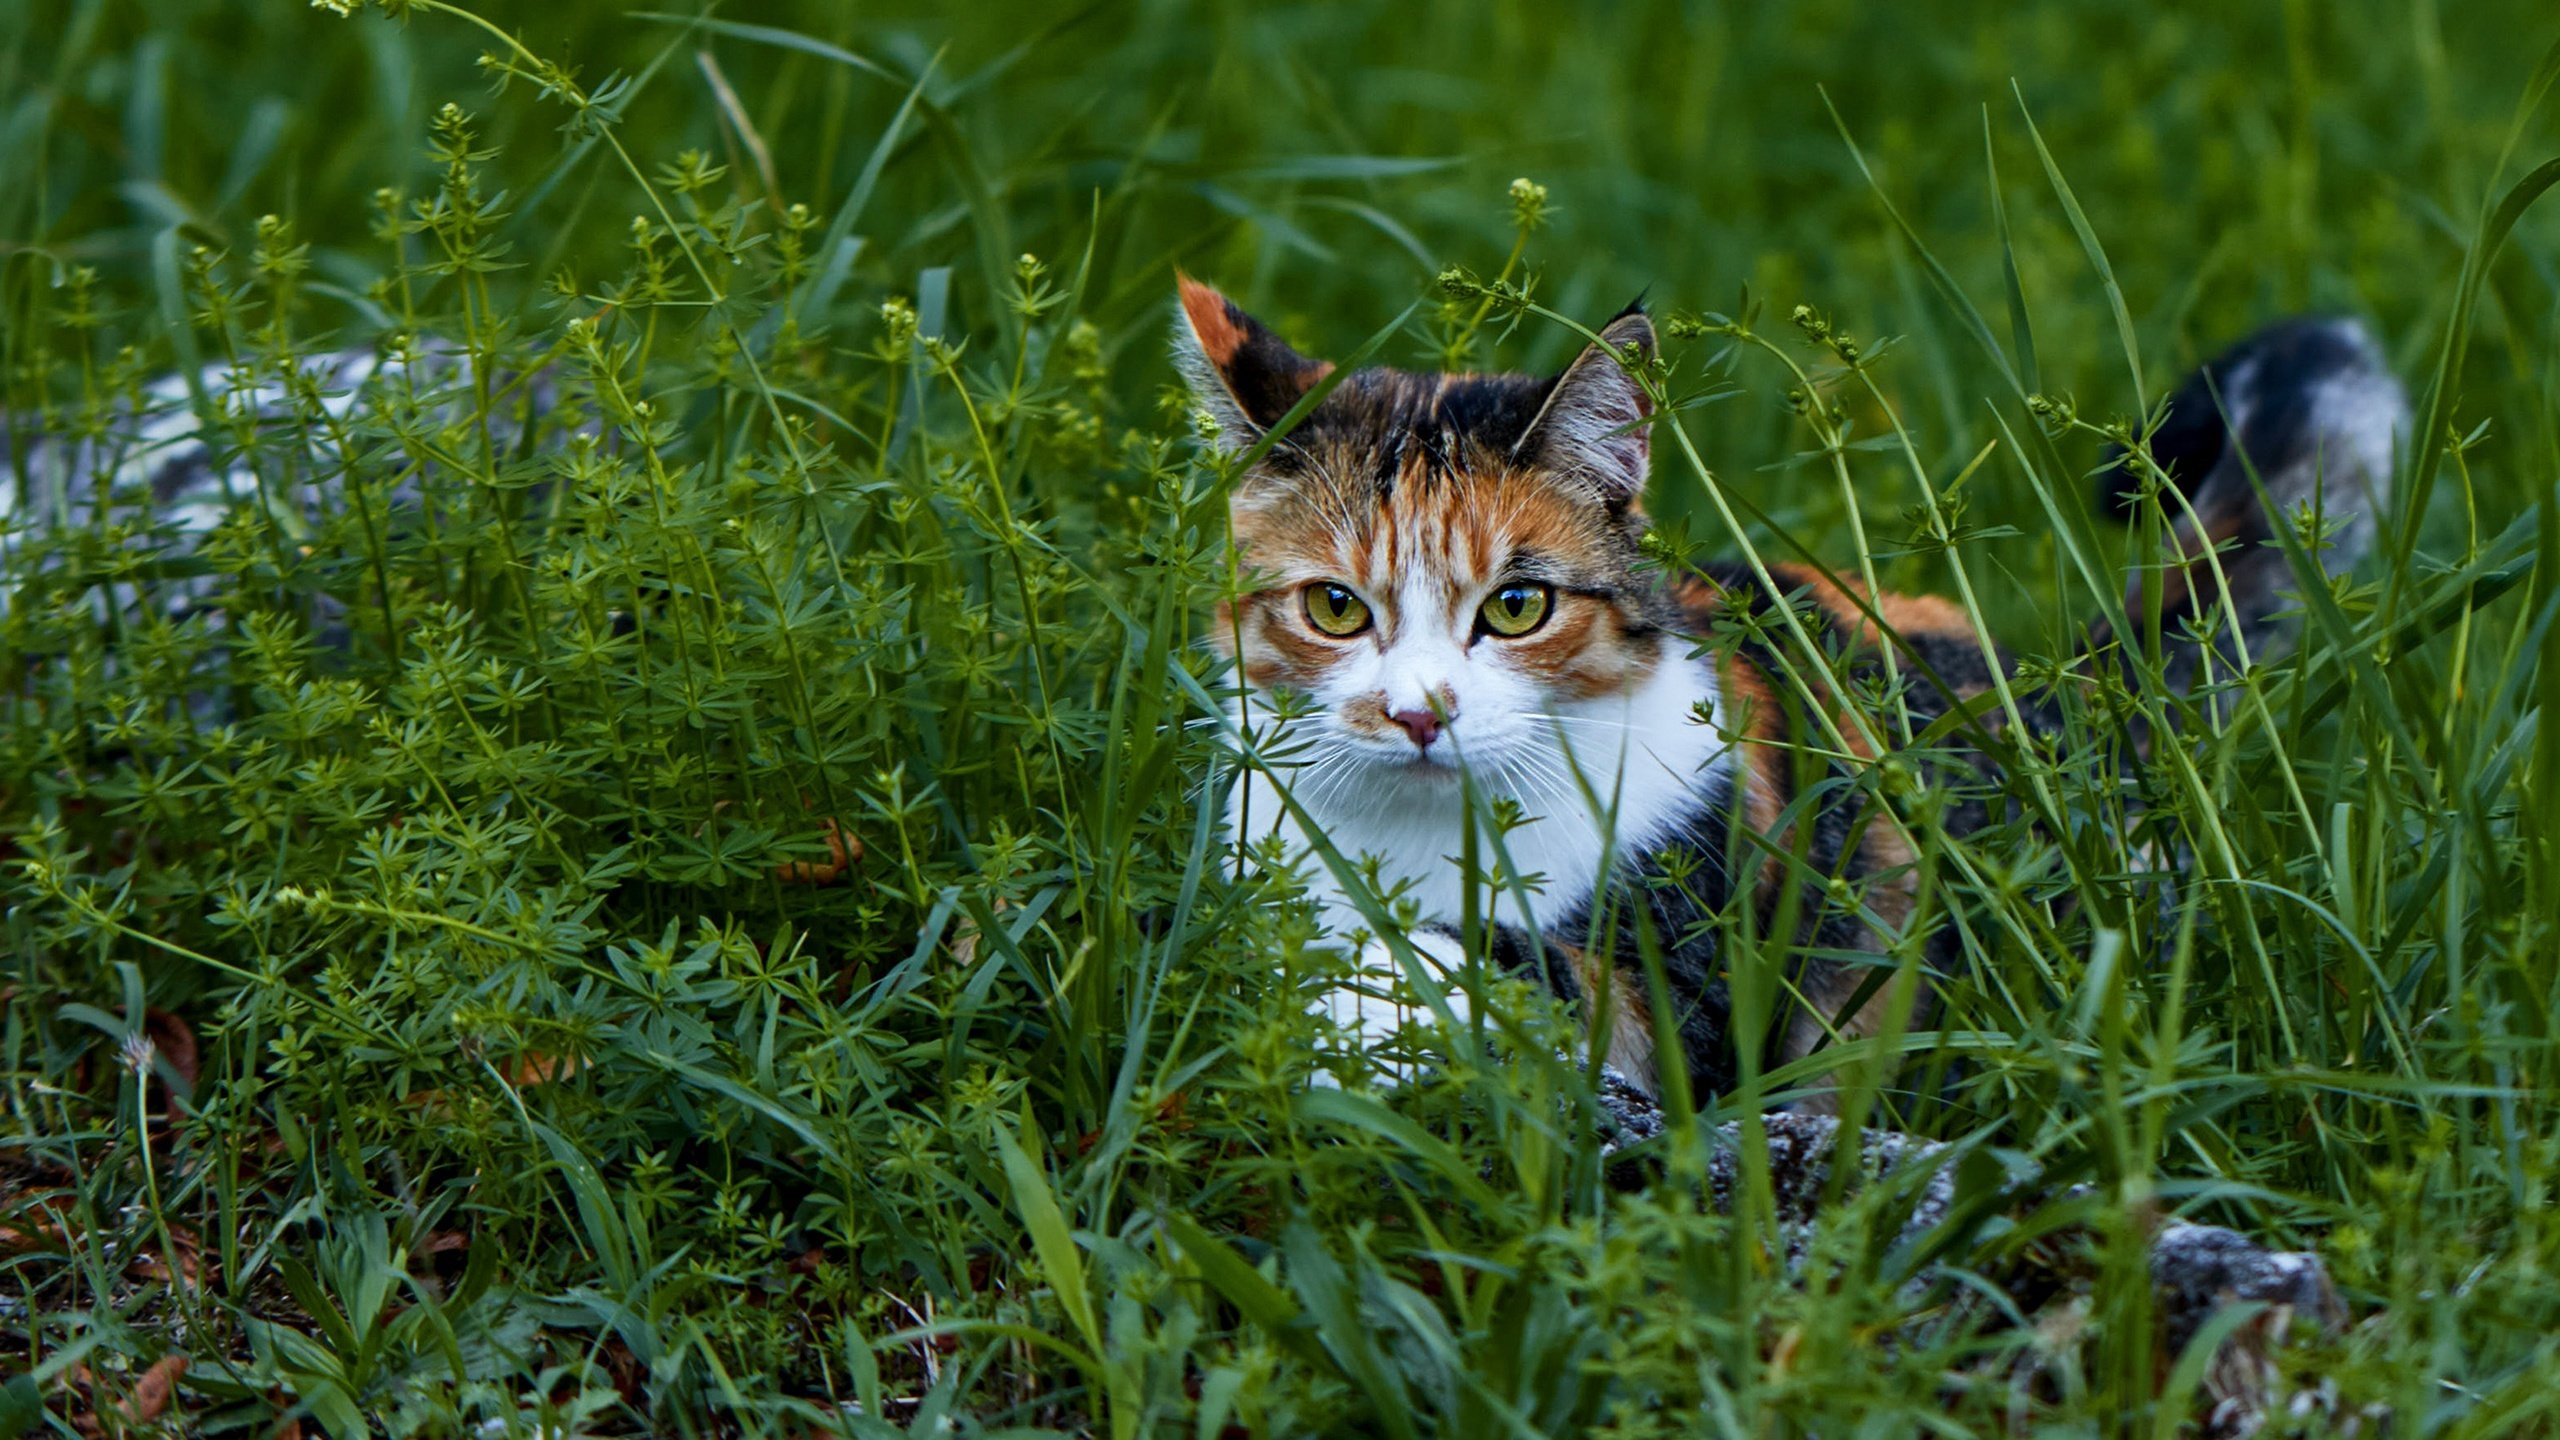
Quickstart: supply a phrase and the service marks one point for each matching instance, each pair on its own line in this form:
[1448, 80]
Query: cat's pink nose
[1422, 725]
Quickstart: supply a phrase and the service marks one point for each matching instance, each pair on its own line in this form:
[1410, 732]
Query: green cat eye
[1334, 610]
[1515, 610]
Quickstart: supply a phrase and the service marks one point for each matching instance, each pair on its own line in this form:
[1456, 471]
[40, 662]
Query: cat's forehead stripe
[1473, 523]
[1447, 422]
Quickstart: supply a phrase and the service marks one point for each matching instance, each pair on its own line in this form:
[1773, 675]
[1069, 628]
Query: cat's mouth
[1440, 762]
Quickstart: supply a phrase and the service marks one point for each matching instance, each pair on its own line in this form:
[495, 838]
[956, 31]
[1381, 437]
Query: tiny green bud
[1528, 204]
[899, 319]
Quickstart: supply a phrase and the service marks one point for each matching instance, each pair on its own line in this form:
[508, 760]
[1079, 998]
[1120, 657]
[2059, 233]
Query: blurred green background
[1322, 161]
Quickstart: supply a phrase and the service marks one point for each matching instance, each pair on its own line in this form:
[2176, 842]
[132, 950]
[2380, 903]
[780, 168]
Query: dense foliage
[655, 870]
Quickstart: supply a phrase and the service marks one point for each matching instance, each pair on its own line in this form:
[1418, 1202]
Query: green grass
[530, 1095]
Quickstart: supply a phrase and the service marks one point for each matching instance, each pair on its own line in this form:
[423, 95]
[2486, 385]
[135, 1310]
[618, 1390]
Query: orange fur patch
[1212, 319]
[1906, 615]
[1756, 721]
[1622, 995]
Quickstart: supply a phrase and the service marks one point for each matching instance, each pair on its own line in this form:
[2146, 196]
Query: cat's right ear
[1242, 374]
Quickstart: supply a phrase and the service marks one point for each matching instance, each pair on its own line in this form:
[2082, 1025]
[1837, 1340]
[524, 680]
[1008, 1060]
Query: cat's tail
[2305, 415]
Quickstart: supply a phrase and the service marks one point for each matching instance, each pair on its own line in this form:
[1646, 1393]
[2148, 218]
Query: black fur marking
[1642, 903]
[2307, 412]
[1267, 376]
[1400, 415]
[1493, 410]
[2270, 380]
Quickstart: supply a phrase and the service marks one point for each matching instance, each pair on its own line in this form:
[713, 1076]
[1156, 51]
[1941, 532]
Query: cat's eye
[1515, 610]
[1334, 610]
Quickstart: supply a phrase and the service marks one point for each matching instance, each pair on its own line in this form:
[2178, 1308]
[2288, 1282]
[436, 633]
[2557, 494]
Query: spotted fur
[1670, 763]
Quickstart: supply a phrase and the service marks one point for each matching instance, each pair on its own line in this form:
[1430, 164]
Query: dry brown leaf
[40, 1221]
[964, 937]
[150, 1265]
[623, 1369]
[152, 1393]
[844, 850]
[536, 1067]
[83, 1386]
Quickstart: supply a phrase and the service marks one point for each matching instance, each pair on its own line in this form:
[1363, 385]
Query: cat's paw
[1370, 1011]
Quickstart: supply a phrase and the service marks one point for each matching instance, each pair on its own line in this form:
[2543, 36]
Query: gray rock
[2196, 1270]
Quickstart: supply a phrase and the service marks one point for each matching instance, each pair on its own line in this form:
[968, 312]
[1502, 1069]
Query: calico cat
[1443, 578]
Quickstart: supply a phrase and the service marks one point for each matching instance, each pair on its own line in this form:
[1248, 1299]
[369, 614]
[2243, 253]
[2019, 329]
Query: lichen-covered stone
[2196, 1270]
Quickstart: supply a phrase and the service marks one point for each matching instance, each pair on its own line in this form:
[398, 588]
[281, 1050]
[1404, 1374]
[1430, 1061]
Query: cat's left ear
[1593, 425]
[1242, 374]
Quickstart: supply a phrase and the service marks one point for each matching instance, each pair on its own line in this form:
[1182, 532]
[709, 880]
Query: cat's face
[1443, 564]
